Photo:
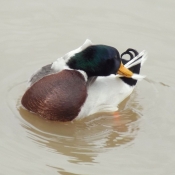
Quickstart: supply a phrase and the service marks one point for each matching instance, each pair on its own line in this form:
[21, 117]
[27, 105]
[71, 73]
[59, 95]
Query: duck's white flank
[104, 95]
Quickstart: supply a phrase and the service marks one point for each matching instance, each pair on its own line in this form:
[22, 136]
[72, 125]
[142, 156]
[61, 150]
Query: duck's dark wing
[44, 71]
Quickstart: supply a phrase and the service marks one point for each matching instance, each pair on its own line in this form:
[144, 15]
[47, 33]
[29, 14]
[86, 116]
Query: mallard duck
[85, 81]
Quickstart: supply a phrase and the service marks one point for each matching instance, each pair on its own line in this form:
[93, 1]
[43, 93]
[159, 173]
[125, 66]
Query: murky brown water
[141, 141]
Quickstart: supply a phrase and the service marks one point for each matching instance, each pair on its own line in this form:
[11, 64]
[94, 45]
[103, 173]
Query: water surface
[140, 140]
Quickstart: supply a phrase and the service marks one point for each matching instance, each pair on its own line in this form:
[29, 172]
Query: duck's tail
[134, 64]
[135, 58]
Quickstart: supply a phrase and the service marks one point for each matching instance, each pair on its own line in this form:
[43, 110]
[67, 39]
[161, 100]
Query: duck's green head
[96, 60]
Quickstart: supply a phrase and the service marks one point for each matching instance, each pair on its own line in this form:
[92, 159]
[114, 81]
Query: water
[140, 141]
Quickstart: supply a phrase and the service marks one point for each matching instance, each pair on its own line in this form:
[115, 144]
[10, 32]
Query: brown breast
[58, 96]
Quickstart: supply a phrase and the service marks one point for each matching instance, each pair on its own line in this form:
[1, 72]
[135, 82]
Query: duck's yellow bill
[124, 71]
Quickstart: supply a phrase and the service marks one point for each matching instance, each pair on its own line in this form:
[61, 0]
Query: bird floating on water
[85, 81]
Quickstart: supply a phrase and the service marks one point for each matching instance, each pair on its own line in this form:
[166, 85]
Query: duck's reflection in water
[82, 140]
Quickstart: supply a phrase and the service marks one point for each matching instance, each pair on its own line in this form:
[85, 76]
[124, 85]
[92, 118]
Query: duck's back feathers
[86, 44]
[104, 95]
[44, 71]
[58, 96]
[58, 65]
